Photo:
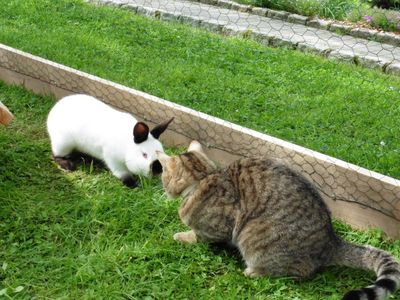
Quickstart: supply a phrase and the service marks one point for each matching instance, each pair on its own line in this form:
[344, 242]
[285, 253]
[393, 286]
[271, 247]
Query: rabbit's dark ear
[140, 132]
[160, 128]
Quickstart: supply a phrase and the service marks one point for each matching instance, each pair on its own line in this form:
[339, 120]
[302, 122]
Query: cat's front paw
[250, 272]
[188, 237]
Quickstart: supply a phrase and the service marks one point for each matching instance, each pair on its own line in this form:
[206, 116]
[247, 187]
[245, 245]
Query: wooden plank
[356, 195]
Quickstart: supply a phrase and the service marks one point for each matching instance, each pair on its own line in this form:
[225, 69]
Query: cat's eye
[144, 155]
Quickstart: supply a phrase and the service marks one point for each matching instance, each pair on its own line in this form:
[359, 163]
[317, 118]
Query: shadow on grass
[87, 163]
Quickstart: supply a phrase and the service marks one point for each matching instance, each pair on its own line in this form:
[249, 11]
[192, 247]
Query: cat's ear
[162, 157]
[195, 146]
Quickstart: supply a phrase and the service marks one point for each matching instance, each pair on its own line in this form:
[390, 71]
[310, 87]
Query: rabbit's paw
[130, 182]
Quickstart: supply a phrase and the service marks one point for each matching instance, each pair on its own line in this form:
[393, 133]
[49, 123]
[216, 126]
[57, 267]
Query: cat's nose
[155, 167]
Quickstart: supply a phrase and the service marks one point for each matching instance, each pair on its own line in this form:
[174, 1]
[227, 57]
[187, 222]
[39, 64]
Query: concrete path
[270, 31]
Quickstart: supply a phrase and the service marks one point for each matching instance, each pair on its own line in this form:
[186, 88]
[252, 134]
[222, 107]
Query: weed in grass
[378, 18]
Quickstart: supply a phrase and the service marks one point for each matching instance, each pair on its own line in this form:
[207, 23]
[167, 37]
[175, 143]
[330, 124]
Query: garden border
[355, 195]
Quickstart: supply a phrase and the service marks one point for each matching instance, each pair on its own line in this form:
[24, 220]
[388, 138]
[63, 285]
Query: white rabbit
[84, 124]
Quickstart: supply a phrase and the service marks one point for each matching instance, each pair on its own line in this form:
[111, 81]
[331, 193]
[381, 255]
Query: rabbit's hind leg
[65, 163]
[61, 154]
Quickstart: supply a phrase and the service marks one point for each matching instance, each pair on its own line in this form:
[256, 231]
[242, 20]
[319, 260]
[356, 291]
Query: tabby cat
[273, 215]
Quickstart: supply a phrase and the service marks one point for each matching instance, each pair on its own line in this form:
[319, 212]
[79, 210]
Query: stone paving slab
[270, 31]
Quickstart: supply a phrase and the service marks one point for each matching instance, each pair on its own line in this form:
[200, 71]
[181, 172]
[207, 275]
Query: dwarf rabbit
[85, 124]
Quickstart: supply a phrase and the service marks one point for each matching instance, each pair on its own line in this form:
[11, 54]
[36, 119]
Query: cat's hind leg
[188, 237]
[281, 265]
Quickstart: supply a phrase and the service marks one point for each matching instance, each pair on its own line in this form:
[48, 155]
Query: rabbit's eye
[144, 155]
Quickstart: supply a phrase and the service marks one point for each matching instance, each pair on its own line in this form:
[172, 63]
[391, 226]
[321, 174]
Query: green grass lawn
[340, 110]
[83, 235]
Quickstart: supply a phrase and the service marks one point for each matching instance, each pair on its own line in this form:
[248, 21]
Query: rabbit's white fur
[87, 125]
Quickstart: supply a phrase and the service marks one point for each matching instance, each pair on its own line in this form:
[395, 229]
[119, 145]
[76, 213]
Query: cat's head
[181, 172]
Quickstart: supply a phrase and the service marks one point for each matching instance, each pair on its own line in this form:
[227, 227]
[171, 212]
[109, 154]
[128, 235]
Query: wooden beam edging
[355, 195]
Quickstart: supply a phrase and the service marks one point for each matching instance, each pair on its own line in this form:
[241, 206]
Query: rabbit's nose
[156, 168]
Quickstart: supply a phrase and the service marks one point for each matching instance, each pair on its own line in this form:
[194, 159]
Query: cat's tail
[382, 263]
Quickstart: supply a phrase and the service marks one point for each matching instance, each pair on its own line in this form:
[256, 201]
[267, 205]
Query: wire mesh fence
[353, 33]
[359, 196]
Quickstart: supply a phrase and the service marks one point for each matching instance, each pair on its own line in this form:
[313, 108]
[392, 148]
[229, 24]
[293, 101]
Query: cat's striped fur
[273, 215]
